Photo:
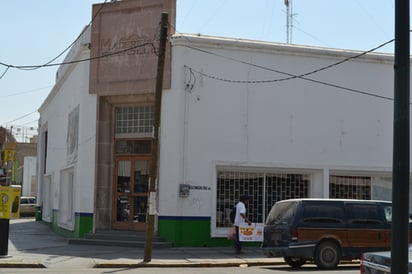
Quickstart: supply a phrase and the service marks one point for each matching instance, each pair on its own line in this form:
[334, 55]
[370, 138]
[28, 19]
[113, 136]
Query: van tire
[294, 261]
[327, 255]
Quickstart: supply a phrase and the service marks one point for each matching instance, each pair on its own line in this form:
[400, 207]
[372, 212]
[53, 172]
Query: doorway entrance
[130, 192]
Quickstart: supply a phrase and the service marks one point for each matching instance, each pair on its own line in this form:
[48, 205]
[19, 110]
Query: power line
[295, 76]
[25, 92]
[4, 72]
[50, 64]
[21, 117]
[28, 123]
[69, 46]
[24, 67]
[291, 76]
[60, 54]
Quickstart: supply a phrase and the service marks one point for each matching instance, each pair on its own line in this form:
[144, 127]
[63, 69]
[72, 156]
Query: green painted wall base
[180, 231]
[83, 223]
[190, 231]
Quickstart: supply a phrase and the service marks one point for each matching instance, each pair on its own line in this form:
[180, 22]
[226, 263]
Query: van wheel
[327, 255]
[294, 261]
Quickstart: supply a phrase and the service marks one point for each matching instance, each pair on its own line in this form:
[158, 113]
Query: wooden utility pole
[400, 166]
[155, 143]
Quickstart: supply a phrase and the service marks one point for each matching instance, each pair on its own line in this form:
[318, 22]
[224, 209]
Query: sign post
[5, 212]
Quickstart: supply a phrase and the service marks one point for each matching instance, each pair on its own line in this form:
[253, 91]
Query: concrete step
[119, 238]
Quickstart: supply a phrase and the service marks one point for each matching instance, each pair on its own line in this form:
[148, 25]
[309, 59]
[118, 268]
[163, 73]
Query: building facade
[269, 120]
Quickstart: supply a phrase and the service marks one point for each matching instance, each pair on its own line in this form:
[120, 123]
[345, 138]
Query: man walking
[240, 218]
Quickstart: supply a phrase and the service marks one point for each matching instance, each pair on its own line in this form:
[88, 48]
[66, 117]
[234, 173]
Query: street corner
[15, 262]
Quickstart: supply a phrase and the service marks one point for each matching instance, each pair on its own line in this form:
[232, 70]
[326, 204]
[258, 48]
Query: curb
[157, 264]
[21, 265]
[184, 264]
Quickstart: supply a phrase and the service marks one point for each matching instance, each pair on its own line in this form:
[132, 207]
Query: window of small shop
[263, 188]
[350, 187]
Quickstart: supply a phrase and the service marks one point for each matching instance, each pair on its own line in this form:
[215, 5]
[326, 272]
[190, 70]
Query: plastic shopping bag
[232, 233]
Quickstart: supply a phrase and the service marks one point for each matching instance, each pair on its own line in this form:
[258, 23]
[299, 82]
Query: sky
[34, 32]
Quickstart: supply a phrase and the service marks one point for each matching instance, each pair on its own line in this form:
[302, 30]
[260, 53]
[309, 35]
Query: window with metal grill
[350, 187]
[133, 120]
[263, 188]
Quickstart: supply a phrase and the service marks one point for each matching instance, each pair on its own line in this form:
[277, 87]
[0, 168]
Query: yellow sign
[5, 202]
[8, 155]
[15, 201]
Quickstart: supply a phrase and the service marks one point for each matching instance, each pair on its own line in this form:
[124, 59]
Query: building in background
[13, 155]
[269, 120]
[29, 180]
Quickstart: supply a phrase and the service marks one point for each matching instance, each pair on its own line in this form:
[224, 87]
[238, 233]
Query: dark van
[327, 230]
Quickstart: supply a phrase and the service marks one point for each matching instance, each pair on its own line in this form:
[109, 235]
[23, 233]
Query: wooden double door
[131, 185]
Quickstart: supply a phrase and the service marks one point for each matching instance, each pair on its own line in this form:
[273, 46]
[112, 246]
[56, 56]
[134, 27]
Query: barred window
[264, 189]
[132, 120]
[350, 187]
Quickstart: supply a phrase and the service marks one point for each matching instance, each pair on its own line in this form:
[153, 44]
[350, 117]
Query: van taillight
[294, 234]
[362, 271]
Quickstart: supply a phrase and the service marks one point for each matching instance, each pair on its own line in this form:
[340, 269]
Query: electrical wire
[60, 54]
[72, 62]
[291, 76]
[279, 80]
[49, 64]
[80, 60]
[25, 92]
[28, 123]
[4, 72]
[69, 46]
[21, 117]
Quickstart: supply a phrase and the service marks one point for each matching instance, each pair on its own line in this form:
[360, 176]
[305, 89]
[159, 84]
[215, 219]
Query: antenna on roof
[289, 20]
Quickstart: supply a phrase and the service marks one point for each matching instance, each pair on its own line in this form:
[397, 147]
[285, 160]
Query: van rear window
[282, 213]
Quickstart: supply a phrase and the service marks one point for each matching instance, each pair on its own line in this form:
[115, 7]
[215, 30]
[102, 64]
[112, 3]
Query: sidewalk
[33, 245]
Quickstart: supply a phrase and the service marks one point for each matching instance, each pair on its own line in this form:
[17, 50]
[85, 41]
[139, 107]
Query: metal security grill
[264, 189]
[285, 186]
[350, 187]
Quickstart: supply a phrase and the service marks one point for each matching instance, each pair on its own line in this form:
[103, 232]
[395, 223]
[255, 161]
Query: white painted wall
[295, 124]
[71, 90]
[29, 171]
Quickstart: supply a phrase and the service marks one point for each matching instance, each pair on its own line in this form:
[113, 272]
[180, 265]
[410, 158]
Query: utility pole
[155, 143]
[400, 165]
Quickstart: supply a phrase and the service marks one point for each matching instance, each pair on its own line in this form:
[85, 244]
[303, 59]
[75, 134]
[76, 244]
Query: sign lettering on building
[124, 39]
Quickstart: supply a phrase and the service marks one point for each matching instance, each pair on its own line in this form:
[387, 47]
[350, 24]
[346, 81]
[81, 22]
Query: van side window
[325, 214]
[363, 214]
